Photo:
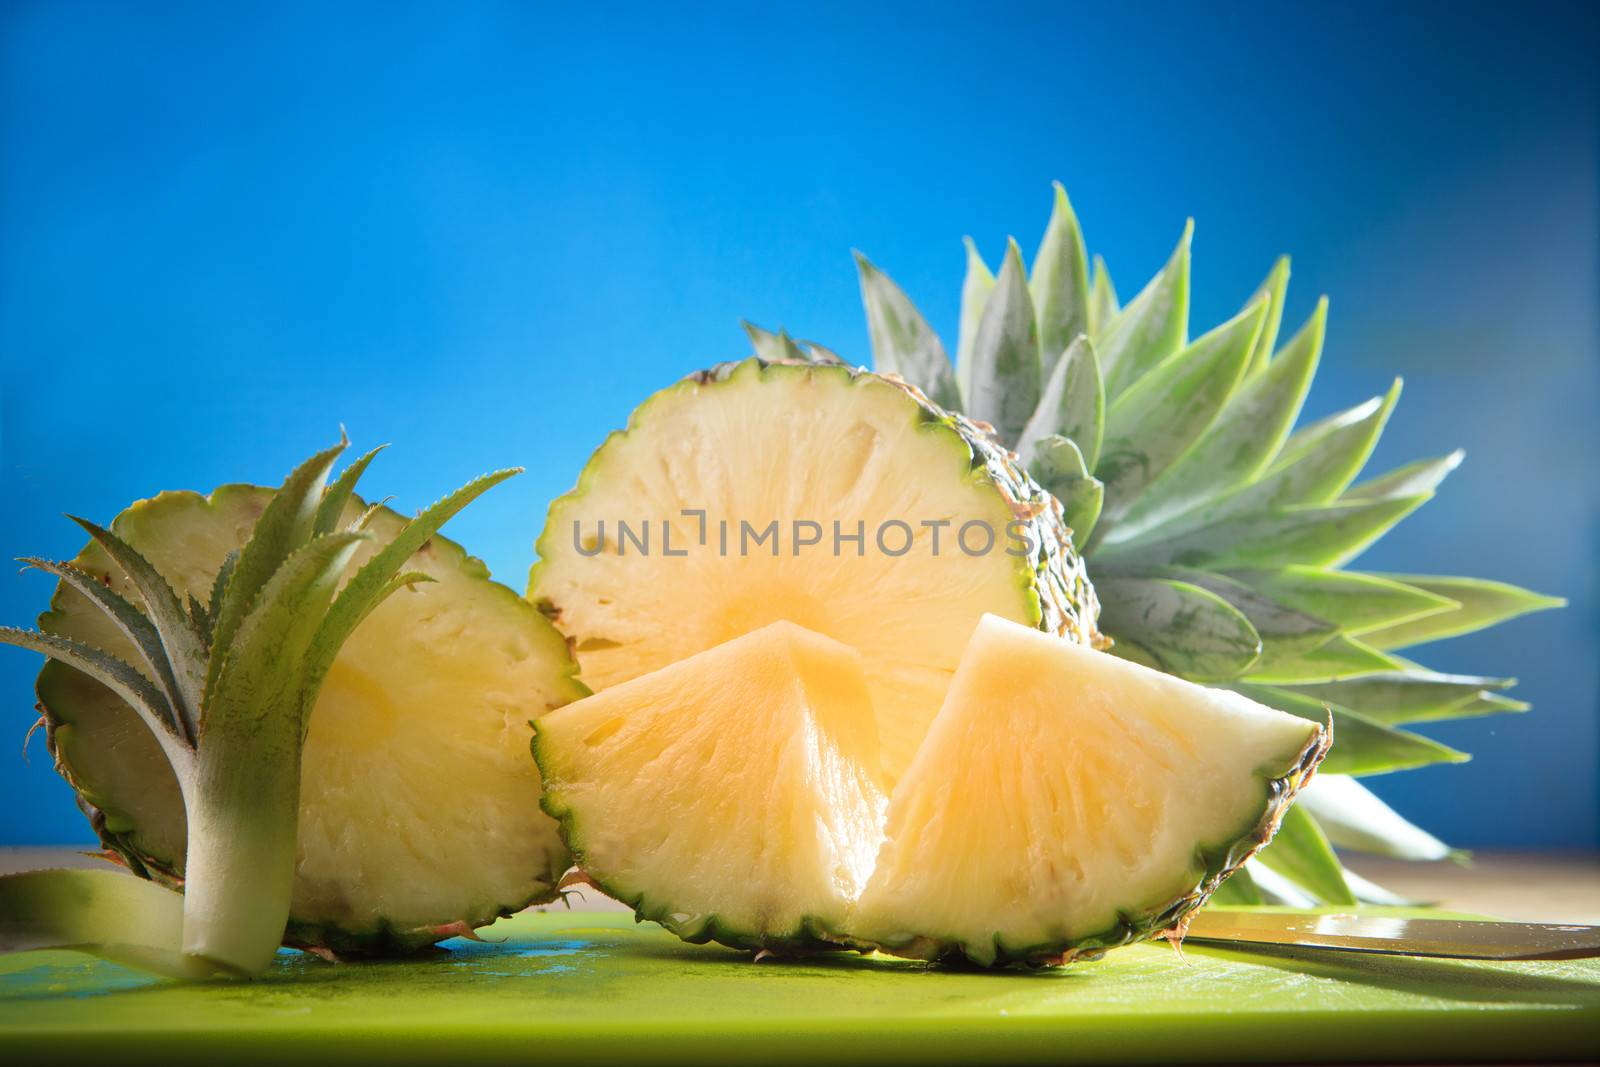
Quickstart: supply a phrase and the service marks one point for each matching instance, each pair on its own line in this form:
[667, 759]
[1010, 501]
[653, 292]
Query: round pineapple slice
[419, 805]
[1067, 801]
[837, 499]
[733, 796]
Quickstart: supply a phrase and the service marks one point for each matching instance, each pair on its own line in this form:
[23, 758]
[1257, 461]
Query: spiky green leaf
[1283, 629]
[1487, 704]
[285, 525]
[975, 291]
[1319, 462]
[1339, 657]
[1360, 745]
[1060, 468]
[372, 582]
[1151, 425]
[1423, 476]
[1190, 631]
[1275, 288]
[774, 347]
[1152, 327]
[268, 655]
[337, 495]
[1243, 440]
[320, 666]
[1320, 536]
[370, 512]
[1481, 603]
[140, 694]
[1399, 697]
[902, 341]
[1005, 384]
[1059, 284]
[1350, 599]
[133, 624]
[821, 353]
[1103, 305]
[183, 645]
[1353, 817]
[200, 618]
[1302, 854]
[219, 586]
[1072, 406]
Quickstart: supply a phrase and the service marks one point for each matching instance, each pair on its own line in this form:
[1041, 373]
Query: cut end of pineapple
[832, 498]
[419, 804]
[1067, 800]
[733, 796]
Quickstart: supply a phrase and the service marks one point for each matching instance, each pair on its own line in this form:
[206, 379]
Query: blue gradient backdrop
[485, 232]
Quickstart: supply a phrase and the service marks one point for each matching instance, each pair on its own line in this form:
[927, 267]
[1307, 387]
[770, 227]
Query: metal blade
[1461, 939]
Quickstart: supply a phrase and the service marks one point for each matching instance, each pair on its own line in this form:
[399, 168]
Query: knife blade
[1462, 939]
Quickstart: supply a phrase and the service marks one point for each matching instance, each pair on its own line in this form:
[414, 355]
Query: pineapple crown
[1216, 532]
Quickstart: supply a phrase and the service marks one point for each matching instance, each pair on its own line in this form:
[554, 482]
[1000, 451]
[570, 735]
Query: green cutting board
[594, 987]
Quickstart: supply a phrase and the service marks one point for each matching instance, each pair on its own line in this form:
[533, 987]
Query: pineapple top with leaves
[190, 644]
[1216, 532]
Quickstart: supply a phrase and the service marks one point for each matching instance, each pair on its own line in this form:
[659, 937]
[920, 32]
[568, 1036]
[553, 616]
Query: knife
[1461, 939]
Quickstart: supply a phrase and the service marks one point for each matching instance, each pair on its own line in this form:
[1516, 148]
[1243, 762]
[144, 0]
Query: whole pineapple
[1216, 533]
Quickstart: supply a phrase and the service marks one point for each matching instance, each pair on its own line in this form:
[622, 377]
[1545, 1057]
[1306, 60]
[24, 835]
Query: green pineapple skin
[1214, 862]
[1063, 600]
[144, 853]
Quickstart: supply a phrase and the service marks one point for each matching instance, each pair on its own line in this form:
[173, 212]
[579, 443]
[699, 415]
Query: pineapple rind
[1214, 861]
[569, 780]
[125, 834]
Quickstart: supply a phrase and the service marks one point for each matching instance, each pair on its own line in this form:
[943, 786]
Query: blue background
[485, 232]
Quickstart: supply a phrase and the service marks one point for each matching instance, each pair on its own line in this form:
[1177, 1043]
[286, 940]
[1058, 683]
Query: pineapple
[1216, 533]
[1063, 801]
[1066, 801]
[417, 810]
[807, 492]
[733, 796]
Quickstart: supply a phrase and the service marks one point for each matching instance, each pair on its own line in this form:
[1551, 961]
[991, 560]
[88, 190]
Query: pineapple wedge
[733, 796]
[1067, 801]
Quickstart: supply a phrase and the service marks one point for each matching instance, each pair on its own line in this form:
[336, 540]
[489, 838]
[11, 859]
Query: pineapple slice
[1064, 801]
[733, 796]
[419, 814]
[1067, 801]
[717, 479]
